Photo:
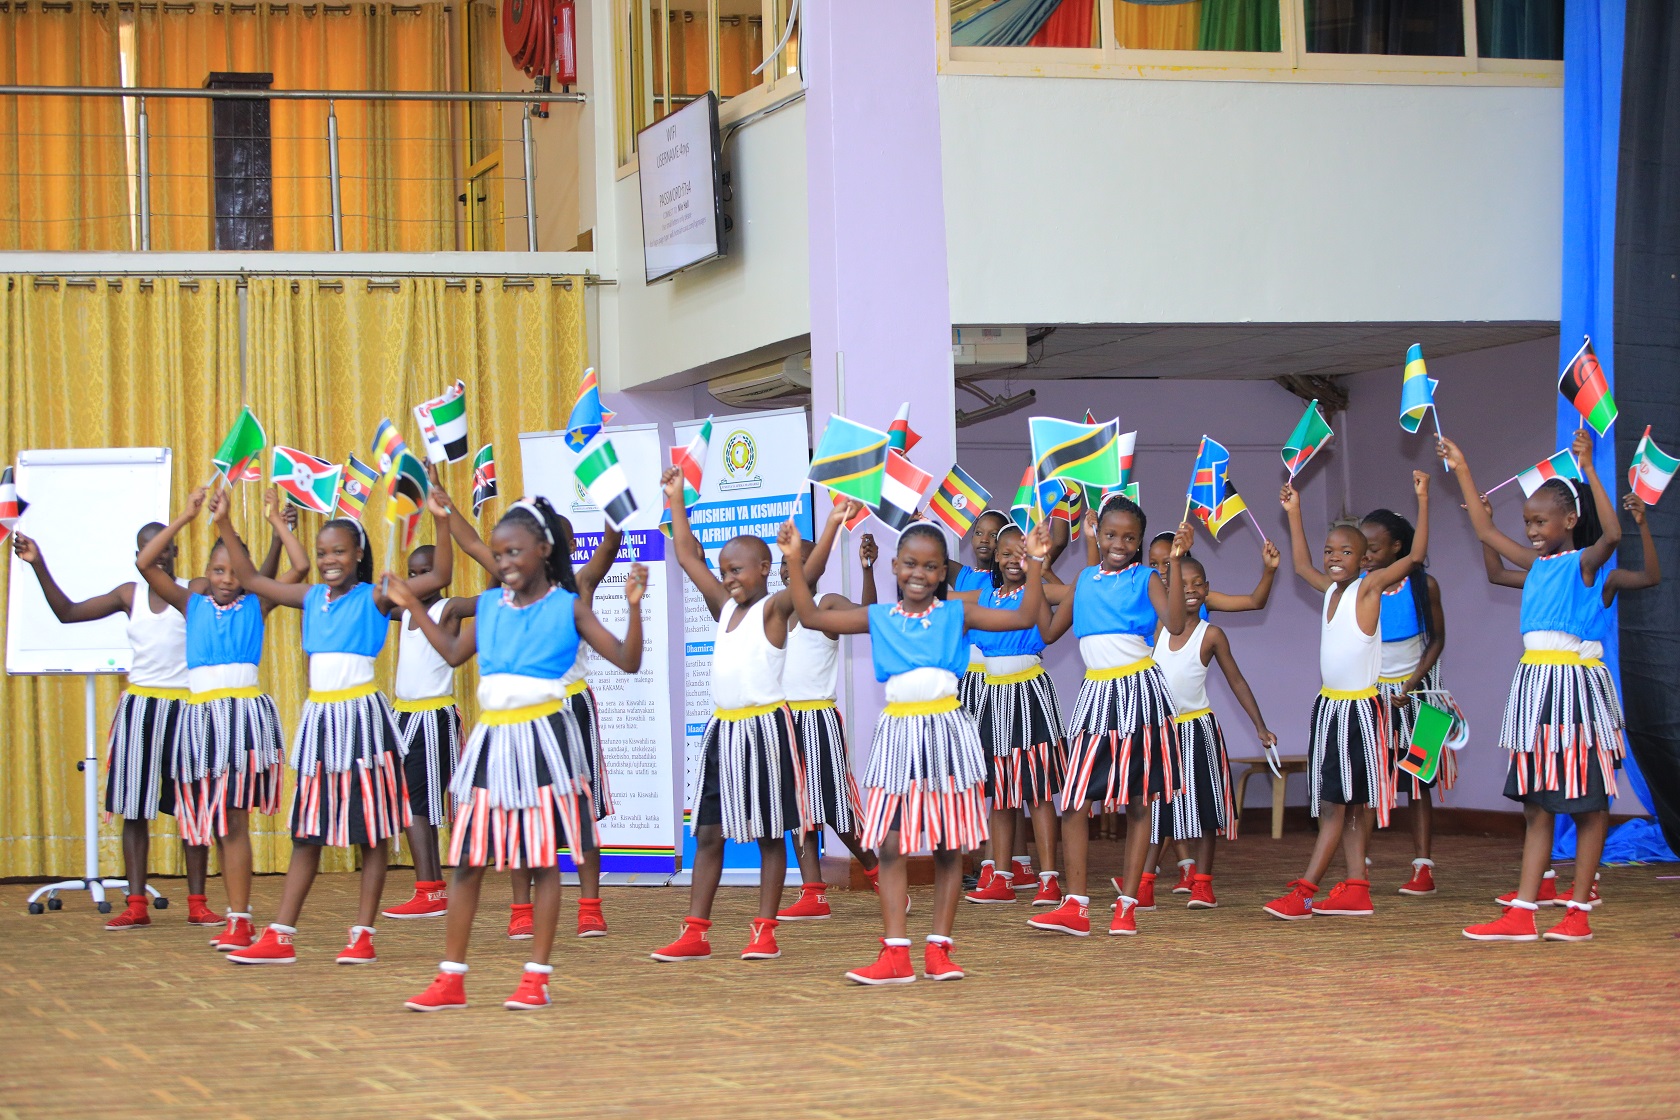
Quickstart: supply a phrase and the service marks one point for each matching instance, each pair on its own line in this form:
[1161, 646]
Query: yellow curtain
[63, 176]
[1158, 27]
[395, 161]
[740, 48]
[326, 360]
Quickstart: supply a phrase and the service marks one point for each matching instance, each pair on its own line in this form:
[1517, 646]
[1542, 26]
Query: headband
[542, 522]
[1573, 491]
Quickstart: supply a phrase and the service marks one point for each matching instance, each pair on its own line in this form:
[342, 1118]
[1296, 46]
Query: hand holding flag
[238, 458]
[1311, 433]
[1584, 384]
[1650, 471]
[484, 477]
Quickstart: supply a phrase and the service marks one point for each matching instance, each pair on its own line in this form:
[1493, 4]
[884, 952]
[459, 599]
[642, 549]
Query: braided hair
[1576, 498]
[996, 571]
[364, 566]
[923, 529]
[1402, 533]
[554, 529]
[1119, 503]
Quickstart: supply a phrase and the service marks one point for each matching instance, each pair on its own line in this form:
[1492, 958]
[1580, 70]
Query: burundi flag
[1024, 509]
[11, 506]
[1429, 735]
[1584, 385]
[958, 501]
[1309, 436]
[307, 482]
[238, 458]
[851, 459]
[902, 488]
[388, 445]
[901, 437]
[588, 416]
[607, 485]
[691, 460]
[1227, 510]
[1417, 390]
[355, 486]
[443, 425]
[1087, 454]
[1652, 468]
[1210, 477]
[484, 477]
[1561, 465]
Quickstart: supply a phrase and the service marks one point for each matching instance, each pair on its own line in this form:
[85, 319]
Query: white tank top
[1400, 659]
[1349, 660]
[422, 673]
[580, 667]
[1183, 668]
[812, 671]
[746, 668]
[159, 642]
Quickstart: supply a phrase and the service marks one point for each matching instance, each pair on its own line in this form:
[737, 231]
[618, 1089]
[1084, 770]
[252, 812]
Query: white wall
[1078, 200]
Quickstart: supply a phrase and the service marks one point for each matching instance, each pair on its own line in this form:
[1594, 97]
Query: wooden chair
[1288, 764]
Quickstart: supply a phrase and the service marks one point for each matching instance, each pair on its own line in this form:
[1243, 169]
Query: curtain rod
[383, 282]
[282, 94]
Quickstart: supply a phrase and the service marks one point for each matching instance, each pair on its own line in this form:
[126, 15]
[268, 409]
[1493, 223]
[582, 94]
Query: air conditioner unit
[989, 346]
[779, 383]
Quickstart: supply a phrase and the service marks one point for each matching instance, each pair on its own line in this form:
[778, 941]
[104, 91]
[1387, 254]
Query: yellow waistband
[1191, 717]
[576, 688]
[1115, 674]
[507, 717]
[1393, 680]
[1348, 694]
[1553, 657]
[1017, 678]
[923, 707]
[430, 704]
[735, 715]
[811, 705]
[976, 666]
[249, 692]
[1592, 663]
[338, 695]
[157, 693]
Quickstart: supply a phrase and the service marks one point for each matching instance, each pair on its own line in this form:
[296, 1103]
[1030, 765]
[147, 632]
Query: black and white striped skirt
[227, 756]
[752, 776]
[1122, 744]
[831, 793]
[520, 791]
[1204, 807]
[1562, 723]
[1020, 725]
[582, 702]
[429, 737]
[970, 686]
[140, 761]
[926, 778]
[350, 785]
[1402, 721]
[1349, 762]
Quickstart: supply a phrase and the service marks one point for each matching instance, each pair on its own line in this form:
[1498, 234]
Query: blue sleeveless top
[1554, 598]
[1597, 628]
[1006, 643]
[899, 644]
[1399, 612]
[1114, 603]
[350, 623]
[540, 640]
[230, 636]
[972, 579]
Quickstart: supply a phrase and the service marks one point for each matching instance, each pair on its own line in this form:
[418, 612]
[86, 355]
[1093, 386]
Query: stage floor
[1205, 1014]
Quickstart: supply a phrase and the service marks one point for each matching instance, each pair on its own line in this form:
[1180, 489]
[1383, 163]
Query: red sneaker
[199, 914]
[1297, 905]
[1125, 919]
[812, 905]
[1515, 924]
[873, 874]
[1548, 895]
[998, 888]
[691, 946]
[591, 922]
[1146, 893]
[937, 963]
[520, 922]
[891, 967]
[1564, 898]
[273, 947]
[1072, 917]
[1573, 927]
[1201, 893]
[1351, 898]
[1021, 875]
[987, 870]
[137, 916]
[1422, 881]
[360, 949]
[1049, 890]
[1186, 877]
[447, 993]
[532, 992]
[239, 934]
[430, 900]
[763, 945]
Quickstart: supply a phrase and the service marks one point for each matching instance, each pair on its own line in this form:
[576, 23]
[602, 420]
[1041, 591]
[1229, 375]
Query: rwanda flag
[1584, 385]
[851, 459]
[1080, 453]
[354, 486]
[588, 415]
[1209, 480]
[958, 501]
[1417, 391]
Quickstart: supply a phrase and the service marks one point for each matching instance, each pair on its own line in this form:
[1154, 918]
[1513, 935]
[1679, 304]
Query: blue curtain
[1011, 23]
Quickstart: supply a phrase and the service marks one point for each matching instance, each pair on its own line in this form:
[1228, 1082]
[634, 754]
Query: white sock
[532, 966]
[1128, 900]
[237, 914]
[1048, 875]
[278, 928]
[898, 942]
[1581, 906]
[938, 939]
[455, 967]
[1421, 862]
[987, 863]
[354, 930]
[1083, 900]
[1549, 875]
[1521, 905]
[1183, 863]
[1024, 861]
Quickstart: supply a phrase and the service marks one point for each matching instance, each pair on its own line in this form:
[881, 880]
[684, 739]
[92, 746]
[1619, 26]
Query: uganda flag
[607, 485]
[484, 477]
[1584, 385]
[958, 501]
[354, 487]
[307, 482]
[851, 459]
[388, 444]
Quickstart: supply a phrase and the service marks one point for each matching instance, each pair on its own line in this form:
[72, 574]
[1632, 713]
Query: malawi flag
[901, 437]
[307, 482]
[443, 424]
[355, 486]
[958, 501]
[1308, 438]
[1429, 735]
[607, 485]
[484, 477]
[902, 488]
[851, 459]
[1561, 465]
[1652, 468]
[1584, 385]
[238, 458]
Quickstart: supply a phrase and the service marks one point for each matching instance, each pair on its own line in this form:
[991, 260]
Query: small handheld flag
[388, 446]
[1209, 478]
[691, 460]
[1071, 509]
[11, 506]
[1560, 465]
[1231, 507]
[1308, 438]
[1429, 736]
[851, 459]
[1081, 453]
[589, 416]
[484, 477]
[443, 425]
[406, 487]
[1024, 509]
[857, 518]
[901, 437]
[1652, 468]
[238, 456]
[355, 485]
[958, 501]
[307, 482]
[1417, 392]
[607, 485]
[1584, 385]
[902, 488]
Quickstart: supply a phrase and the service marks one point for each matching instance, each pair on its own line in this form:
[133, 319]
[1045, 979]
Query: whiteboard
[85, 506]
[547, 465]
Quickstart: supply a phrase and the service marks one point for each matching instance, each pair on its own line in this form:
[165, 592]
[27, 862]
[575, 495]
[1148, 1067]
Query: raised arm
[1300, 555]
[1481, 514]
[867, 555]
[1092, 552]
[1375, 583]
[976, 617]
[626, 652]
[1494, 564]
[283, 526]
[462, 532]
[1627, 579]
[589, 576]
[1168, 598]
[1239, 684]
[443, 558]
[691, 556]
[270, 566]
[1597, 554]
[118, 600]
[829, 619]
[272, 590]
[816, 563]
[456, 648]
[1255, 600]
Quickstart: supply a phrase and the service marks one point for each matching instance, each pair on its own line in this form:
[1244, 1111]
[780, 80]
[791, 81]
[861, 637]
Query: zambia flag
[1080, 453]
[1584, 385]
[958, 501]
[238, 456]
[607, 485]
[307, 482]
[1308, 438]
[1429, 735]
[852, 460]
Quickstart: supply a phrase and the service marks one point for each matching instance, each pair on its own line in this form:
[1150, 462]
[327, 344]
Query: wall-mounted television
[681, 169]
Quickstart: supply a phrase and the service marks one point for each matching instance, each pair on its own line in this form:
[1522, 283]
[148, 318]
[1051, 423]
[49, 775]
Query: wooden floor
[1226, 1013]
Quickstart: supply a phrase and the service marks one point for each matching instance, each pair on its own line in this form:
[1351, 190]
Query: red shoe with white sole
[1021, 875]
[1125, 919]
[532, 992]
[763, 945]
[520, 923]
[591, 922]
[360, 949]
[873, 874]
[987, 870]
[1515, 924]
[1422, 881]
[811, 906]
[1548, 895]
[891, 967]
[1574, 926]
[1201, 893]
[1297, 905]
[693, 945]
[1049, 890]
[937, 963]
[1564, 898]
[137, 916]
[273, 947]
[199, 914]
[239, 934]
[447, 993]
[1351, 898]
[1071, 917]
[1146, 893]
[1186, 877]
[431, 900]
[998, 888]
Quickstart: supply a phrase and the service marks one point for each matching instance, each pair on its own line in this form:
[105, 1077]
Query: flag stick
[390, 547]
[1507, 482]
[1256, 521]
[1436, 414]
[211, 481]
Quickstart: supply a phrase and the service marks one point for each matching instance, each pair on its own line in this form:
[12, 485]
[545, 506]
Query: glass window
[1414, 27]
[1025, 23]
[1519, 29]
[1197, 25]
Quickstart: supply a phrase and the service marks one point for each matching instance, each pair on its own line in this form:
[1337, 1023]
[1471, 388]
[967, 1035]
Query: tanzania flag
[388, 445]
[1081, 453]
[588, 415]
[1024, 510]
[354, 487]
[11, 506]
[443, 425]
[1584, 385]
[1231, 507]
[1210, 476]
[307, 482]
[901, 437]
[1561, 465]
[1429, 735]
[851, 459]
[484, 477]
[902, 488]
[237, 457]
[1309, 436]
[958, 501]
[1652, 468]
[608, 487]
[1417, 390]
